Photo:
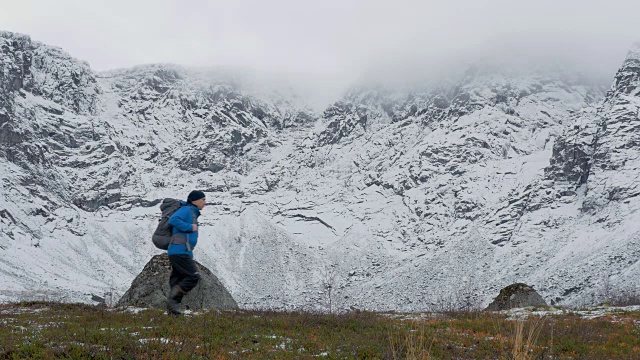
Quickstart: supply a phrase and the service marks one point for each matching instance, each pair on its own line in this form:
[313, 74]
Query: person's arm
[178, 220]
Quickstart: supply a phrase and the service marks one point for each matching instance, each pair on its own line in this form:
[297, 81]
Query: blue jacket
[182, 223]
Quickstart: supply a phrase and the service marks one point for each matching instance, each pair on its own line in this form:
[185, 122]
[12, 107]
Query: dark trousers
[183, 272]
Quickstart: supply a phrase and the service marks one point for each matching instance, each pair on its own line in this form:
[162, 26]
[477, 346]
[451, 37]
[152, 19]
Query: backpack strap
[193, 219]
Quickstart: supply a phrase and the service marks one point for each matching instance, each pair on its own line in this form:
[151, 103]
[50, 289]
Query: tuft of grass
[524, 342]
[411, 344]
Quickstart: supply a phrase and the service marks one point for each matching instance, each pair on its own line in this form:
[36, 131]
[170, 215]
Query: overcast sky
[332, 41]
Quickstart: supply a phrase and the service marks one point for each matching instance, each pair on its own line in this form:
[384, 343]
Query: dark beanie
[195, 195]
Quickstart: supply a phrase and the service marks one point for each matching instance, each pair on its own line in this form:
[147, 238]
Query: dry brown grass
[410, 345]
[526, 334]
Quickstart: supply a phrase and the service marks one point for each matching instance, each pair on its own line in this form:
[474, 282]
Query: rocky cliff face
[77, 145]
[614, 170]
[393, 199]
[48, 100]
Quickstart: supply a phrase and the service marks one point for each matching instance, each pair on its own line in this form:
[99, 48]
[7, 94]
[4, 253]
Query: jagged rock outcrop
[151, 287]
[571, 158]
[345, 120]
[516, 295]
[15, 67]
[615, 166]
[598, 150]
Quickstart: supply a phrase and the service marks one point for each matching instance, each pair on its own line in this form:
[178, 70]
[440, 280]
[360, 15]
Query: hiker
[184, 273]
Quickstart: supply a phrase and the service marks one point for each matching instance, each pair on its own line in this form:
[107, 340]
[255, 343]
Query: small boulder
[151, 287]
[517, 295]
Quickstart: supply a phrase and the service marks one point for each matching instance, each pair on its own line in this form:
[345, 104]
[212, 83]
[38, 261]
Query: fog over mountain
[323, 47]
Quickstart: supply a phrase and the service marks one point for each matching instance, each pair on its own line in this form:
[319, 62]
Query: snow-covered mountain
[397, 199]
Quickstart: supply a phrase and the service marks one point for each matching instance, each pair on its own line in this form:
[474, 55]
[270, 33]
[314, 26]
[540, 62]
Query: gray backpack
[162, 236]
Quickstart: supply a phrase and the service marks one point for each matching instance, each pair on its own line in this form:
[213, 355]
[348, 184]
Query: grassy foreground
[73, 331]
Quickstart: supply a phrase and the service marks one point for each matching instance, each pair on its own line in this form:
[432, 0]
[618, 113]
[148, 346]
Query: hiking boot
[173, 311]
[174, 299]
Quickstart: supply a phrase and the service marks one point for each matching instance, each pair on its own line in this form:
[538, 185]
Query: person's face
[200, 203]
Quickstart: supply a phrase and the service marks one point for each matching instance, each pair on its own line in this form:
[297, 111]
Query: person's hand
[195, 227]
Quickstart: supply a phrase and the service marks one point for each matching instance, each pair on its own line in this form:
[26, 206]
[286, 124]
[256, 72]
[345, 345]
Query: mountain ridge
[394, 199]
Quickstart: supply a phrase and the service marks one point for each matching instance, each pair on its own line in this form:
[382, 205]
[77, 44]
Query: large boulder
[517, 295]
[151, 287]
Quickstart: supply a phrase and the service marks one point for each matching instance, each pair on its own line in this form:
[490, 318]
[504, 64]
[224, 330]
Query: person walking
[184, 273]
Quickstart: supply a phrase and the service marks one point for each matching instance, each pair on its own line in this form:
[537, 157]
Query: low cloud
[326, 45]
